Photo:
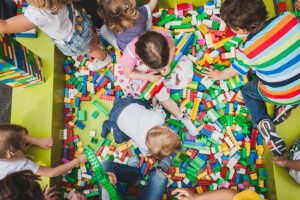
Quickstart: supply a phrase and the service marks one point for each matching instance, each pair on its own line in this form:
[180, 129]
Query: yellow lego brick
[100, 92]
[80, 150]
[195, 109]
[122, 147]
[118, 55]
[79, 94]
[158, 27]
[203, 29]
[200, 127]
[199, 67]
[221, 43]
[199, 189]
[183, 104]
[260, 150]
[253, 176]
[67, 100]
[184, 93]
[208, 58]
[79, 144]
[67, 77]
[186, 30]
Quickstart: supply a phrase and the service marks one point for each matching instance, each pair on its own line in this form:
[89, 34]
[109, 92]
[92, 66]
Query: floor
[5, 103]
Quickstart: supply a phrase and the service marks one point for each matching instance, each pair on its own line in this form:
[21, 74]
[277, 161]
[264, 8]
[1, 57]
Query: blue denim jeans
[155, 188]
[80, 42]
[254, 102]
[119, 105]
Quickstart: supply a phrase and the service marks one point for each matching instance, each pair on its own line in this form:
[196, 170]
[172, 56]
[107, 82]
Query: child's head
[21, 185]
[118, 14]
[54, 5]
[162, 141]
[244, 16]
[153, 49]
[12, 141]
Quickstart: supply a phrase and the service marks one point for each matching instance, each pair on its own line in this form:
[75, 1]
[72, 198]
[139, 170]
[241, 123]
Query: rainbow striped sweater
[274, 52]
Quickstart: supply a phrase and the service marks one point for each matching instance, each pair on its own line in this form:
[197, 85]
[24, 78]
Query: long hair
[53, 5]
[12, 141]
[21, 185]
[118, 14]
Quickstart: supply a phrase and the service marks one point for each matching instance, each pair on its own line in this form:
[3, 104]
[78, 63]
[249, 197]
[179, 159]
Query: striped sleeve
[241, 63]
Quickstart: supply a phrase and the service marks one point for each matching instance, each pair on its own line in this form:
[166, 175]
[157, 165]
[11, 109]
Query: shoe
[164, 164]
[96, 65]
[134, 161]
[273, 141]
[281, 113]
[188, 124]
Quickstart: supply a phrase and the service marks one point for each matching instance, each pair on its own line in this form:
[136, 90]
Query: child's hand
[184, 194]
[51, 193]
[78, 196]
[82, 158]
[152, 77]
[18, 1]
[165, 70]
[112, 177]
[45, 143]
[279, 160]
[213, 74]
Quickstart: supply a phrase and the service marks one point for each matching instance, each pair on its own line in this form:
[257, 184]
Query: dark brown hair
[12, 140]
[153, 49]
[249, 15]
[118, 14]
[21, 185]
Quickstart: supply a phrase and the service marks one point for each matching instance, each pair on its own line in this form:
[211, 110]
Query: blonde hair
[118, 14]
[162, 141]
[12, 141]
[54, 5]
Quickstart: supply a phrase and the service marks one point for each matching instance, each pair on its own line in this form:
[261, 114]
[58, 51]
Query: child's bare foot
[45, 143]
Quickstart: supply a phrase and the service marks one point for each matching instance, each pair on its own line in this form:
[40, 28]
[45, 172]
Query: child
[148, 55]
[124, 21]
[222, 194]
[68, 28]
[12, 150]
[129, 118]
[273, 49]
[293, 162]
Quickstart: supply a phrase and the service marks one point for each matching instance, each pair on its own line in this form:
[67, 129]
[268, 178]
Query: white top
[8, 167]
[136, 120]
[58, 27]
[296, 174]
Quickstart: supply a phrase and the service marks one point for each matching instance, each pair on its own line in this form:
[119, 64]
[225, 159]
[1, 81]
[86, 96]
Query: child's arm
[152, 4]
[16, 24]
[292, 164]
[44, 143]
[223, 194]
[172, 48]
[61, 169]
[216, 74]
[132, 74]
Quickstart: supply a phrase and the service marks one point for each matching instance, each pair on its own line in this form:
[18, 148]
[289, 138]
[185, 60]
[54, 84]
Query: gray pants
[110, 37]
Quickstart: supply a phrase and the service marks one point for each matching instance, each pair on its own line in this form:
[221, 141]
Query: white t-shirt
[296, 174]
[8, 167]
[136, 120]
[58, 27]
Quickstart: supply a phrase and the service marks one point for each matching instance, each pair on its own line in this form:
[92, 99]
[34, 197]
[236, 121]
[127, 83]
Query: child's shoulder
[145, 10]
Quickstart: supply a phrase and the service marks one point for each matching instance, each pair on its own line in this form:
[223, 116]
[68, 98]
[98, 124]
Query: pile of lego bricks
[227, 153]
[19, 67]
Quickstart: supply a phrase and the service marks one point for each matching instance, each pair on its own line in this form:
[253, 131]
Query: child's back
[124, 21]
[274, 52]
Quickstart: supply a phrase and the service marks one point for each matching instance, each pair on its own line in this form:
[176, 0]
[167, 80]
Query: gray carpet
[5, 103]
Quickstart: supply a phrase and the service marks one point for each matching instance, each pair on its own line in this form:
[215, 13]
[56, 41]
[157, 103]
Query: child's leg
[110, 126]
[109, 36]
[260, 118]
[45, 143]
[171, 106]
[254, 102]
